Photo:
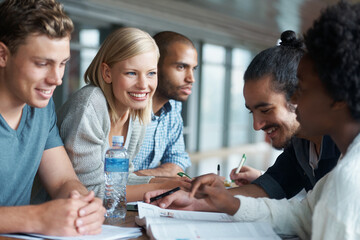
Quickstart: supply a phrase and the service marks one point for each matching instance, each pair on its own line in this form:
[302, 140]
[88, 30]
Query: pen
[181, 174]
[164, 194]
[218, 170]
[243, 159]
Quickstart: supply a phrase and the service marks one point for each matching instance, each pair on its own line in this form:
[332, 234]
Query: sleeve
[135, 179]
[175, 149]
[84, 135]
[136, 140]
[53, 139]
[282, 180]
[336, 215]
[287, 217]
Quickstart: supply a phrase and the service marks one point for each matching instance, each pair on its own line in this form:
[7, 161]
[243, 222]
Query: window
[212, 97]
[239, 119]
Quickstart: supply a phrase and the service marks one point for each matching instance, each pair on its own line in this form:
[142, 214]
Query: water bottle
[116, 168]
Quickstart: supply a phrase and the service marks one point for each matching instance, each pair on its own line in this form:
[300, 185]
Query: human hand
[90, 216]
[178, 200]
[184, 183]
[57, 217]
[245, 176]
[210, 187]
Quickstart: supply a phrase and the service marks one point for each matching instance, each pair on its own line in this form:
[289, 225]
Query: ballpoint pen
[164, 194]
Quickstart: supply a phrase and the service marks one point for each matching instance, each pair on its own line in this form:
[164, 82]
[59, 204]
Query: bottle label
[116, 164]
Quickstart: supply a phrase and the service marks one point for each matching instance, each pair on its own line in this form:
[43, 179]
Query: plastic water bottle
[116, 168]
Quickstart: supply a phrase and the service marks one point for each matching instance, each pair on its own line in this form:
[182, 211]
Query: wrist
[31, 216]
[233, 206]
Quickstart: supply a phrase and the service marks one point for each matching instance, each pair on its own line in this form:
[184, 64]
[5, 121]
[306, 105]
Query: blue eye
[151, 74]
[131, 73]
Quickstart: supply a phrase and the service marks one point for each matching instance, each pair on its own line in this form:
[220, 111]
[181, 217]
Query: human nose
[190, 76]
[258, 123]
[55, 76]
[142, 82]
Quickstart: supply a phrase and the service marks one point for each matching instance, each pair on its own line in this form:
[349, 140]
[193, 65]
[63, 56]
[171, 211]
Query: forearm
[19, 219]
[69, 186]
[136, 192]
[164, 170]
[250, 190]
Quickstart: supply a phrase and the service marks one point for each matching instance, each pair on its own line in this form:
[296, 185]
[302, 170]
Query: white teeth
[138, 95]
[46, 91]
[270, 130]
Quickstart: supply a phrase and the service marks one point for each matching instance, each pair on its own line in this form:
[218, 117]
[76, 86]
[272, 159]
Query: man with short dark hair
[34, 48]
[163, 152]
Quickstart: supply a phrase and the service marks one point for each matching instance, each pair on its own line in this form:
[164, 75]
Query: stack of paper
[175, 224]
[108, 233]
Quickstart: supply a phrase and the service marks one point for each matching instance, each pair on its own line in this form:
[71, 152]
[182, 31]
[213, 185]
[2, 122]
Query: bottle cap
[118, 139]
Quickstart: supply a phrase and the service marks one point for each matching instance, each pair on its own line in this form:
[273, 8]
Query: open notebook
[175, 224]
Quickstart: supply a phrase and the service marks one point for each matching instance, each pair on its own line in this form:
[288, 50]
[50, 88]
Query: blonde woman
[121, 81]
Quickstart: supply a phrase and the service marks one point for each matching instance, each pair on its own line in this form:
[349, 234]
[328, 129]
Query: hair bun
[288, 39]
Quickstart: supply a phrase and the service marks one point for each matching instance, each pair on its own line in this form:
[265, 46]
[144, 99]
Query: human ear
[106, 73]
[4, 54]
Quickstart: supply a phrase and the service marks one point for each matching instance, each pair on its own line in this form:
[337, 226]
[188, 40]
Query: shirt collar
[164, 110]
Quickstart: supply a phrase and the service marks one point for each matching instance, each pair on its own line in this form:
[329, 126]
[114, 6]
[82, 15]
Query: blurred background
[227, 34]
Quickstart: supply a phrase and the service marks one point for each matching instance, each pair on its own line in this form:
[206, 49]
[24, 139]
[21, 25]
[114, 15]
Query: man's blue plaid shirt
[164, 140]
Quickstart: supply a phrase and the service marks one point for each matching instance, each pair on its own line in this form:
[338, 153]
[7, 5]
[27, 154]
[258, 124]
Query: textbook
[176, 224]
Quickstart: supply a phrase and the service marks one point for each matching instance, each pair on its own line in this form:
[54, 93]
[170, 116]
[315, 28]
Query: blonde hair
[120, 45]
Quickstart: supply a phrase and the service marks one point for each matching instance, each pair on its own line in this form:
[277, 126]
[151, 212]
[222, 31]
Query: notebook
[176, 224]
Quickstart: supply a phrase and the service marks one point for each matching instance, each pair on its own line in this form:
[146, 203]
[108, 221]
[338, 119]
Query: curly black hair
[281, 62]
[333, 43]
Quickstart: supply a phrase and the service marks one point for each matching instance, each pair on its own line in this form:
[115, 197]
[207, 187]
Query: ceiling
[254, 23]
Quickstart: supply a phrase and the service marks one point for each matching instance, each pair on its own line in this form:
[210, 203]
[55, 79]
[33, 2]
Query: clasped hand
[74, 216]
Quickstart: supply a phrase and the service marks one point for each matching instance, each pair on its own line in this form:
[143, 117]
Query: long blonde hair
[120, 45]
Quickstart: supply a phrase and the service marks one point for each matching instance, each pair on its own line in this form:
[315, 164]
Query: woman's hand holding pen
[245, 176]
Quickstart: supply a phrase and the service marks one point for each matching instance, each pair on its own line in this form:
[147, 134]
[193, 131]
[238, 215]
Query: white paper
[175, 224]
[108, 233]
[213, 230]
[148, 210]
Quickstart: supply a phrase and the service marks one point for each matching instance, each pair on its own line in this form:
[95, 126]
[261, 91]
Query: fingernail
[162, 205]
[79, 223]
[81, 230]
[82, 212]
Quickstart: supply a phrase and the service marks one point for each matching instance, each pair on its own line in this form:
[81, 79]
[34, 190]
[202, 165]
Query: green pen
[243, 159]
[181, 174]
